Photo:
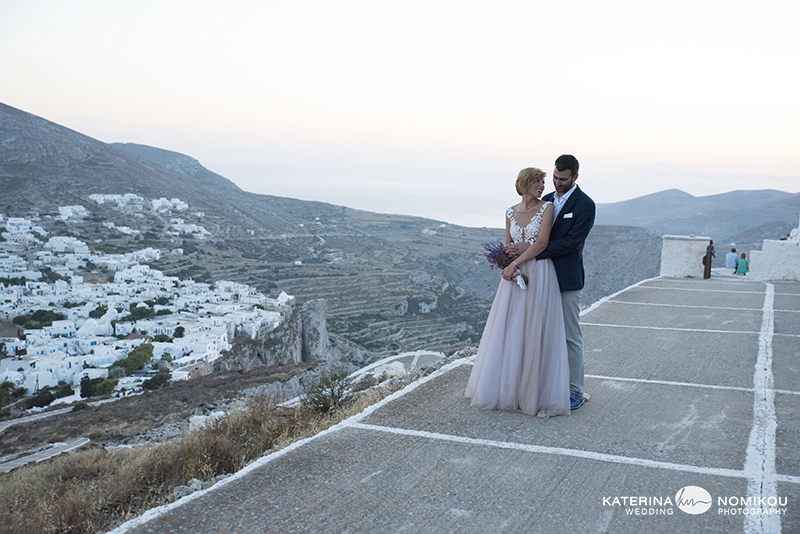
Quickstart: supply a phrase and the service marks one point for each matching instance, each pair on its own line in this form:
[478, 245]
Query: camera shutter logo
[693, 499]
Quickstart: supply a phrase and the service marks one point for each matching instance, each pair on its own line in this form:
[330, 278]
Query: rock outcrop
[316, 345]
[301, 337]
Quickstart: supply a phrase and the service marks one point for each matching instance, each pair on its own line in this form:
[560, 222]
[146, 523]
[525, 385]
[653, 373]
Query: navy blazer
[567, 237]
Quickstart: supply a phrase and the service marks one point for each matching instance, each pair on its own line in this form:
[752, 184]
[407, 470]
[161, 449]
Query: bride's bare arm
[508, 230]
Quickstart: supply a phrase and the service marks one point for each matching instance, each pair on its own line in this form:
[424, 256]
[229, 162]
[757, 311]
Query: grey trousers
[571, 303]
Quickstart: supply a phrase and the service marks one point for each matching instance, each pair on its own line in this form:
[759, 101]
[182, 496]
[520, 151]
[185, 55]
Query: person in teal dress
[742, 264]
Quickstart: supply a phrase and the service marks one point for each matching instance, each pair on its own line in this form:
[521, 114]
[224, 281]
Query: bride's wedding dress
[521, 363]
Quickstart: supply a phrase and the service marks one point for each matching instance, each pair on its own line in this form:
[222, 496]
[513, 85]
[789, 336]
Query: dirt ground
[120, 421]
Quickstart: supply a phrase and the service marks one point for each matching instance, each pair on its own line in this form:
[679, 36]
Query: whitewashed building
[67, 212]
[10, 264]
[18, 225]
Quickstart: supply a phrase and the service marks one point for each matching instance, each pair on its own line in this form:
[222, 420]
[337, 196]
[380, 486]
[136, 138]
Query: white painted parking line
[615, 301]
[759, 465]
[670, 383]
[613, 295]
[670, 328]
[688, 384]
[682, 306]
[701, 290]
[680, 384]
[576, 453]
[558, 451]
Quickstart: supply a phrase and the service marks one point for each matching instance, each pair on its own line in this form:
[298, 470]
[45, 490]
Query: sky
[425, 108]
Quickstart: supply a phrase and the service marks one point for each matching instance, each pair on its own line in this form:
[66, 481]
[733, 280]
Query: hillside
[743, 218]
[392, 282]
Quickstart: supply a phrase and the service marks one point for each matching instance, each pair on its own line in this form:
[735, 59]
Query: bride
[521, 363]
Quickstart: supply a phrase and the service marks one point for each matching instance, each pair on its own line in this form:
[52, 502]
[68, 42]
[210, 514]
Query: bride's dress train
[521, 363]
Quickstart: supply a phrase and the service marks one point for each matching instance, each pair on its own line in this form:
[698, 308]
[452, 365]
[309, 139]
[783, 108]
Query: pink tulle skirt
[521, 363]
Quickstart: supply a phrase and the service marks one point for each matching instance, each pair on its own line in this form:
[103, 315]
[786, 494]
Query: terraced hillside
[385, 290]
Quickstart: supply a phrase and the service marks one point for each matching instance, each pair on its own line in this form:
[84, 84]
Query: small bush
[63, 390]
[98, 312]
[37, 320]
[329, 393]
[89, 386]
[106, 387]
[136, 359]
[116, 372]
[42, 398]
[78, 407]
[161, 378]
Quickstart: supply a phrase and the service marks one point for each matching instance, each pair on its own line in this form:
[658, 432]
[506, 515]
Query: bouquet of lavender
[499, 259]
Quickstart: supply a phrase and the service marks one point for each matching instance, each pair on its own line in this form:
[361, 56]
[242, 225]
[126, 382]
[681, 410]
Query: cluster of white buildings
[62, 254]
[66, 212]
[124, 229]
[129, 199]
[120, 200]
[11, 265]
[175, 204]
[19, 233]
[180, 227]
[18, 225]
[209, 316]
[157, 204]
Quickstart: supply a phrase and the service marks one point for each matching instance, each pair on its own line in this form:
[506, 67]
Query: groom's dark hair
[567, 161]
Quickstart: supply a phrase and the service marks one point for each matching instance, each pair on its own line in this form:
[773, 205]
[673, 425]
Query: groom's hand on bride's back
[515, 250]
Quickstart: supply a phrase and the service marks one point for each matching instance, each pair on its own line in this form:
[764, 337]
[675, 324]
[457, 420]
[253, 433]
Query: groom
[574, 218]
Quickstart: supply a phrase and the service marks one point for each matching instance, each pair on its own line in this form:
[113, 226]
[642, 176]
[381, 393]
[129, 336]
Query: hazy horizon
[435, 193]
[439, 193]
[424, 108]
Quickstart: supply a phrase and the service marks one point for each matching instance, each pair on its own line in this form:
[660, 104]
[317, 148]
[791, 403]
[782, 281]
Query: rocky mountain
[390, 283]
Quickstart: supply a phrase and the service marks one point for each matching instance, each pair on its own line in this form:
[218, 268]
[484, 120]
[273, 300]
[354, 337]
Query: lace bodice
[530, 233]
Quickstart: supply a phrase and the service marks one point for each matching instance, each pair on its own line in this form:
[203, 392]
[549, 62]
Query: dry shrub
[94, 489]
[330, 391]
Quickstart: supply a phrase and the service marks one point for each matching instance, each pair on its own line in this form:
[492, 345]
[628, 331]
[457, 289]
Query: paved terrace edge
[349, 422]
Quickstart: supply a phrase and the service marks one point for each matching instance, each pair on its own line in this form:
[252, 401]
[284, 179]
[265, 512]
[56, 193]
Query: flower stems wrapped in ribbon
[499, 259]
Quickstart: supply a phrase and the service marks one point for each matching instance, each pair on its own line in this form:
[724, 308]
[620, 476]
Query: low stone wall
[682, 256]
[777, 260]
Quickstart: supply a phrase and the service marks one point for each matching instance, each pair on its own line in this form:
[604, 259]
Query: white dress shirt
[559, 202]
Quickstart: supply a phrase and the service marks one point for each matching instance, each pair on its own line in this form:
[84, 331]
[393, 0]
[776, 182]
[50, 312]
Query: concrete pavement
[695, 402]
[31, 418]
[40, 456]
[50, 413]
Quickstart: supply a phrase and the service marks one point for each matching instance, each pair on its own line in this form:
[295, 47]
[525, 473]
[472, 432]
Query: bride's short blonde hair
[528, 176]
